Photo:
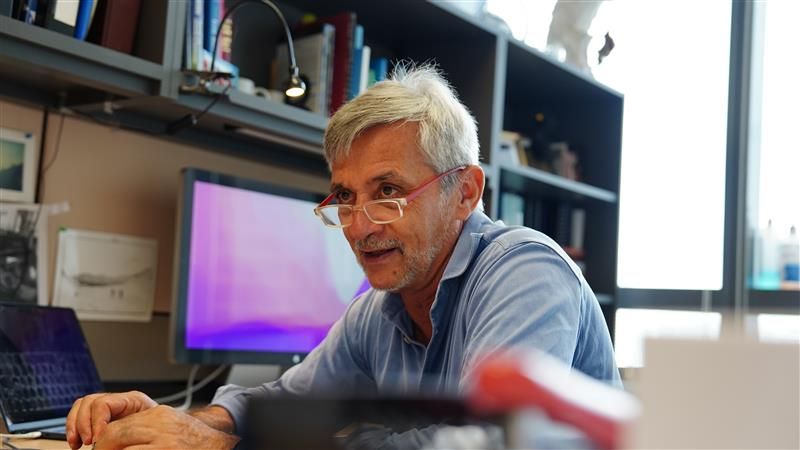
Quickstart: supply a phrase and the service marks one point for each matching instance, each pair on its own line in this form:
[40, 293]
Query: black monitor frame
[178, 350]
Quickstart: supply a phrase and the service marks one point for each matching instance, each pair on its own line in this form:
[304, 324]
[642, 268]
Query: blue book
[84, 19]
[210, 23]
[378, 69]
[355, 67]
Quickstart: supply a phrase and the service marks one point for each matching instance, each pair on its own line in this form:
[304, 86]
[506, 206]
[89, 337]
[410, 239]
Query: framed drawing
[18, 166]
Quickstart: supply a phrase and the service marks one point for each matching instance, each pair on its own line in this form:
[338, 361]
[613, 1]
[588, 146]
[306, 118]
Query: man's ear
[470, 190]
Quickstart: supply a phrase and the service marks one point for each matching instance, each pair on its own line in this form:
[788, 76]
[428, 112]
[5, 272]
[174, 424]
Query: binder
[114, 24]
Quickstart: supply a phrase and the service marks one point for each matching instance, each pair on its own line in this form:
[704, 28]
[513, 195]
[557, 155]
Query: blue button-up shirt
[503, 288]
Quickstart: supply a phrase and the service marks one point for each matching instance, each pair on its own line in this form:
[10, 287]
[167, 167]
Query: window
[671, 61]
[773, 143]
[633, 326]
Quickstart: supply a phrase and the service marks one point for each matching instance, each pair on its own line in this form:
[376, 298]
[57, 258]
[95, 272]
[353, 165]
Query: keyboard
[36, 385]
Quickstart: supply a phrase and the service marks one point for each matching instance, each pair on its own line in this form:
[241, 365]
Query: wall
[123, 182]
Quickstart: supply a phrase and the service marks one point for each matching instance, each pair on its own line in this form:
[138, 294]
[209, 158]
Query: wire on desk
[190, 388]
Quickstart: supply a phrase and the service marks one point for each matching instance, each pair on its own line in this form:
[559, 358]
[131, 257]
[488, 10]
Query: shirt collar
[466, 245]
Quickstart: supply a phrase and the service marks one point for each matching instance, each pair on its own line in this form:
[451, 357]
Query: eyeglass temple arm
[422, 188]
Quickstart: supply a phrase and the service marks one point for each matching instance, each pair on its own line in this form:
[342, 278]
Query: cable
[30, 435]
[190, 390]
[57, 148]
[228, 13]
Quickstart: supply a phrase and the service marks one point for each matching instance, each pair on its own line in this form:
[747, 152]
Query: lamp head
[296, 87]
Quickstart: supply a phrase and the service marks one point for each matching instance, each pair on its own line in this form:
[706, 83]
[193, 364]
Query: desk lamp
[295, 88]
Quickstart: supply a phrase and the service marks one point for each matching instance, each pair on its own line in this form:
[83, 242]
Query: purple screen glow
[264, 273]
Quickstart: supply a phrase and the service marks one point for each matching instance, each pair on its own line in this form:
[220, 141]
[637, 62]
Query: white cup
[246, 85]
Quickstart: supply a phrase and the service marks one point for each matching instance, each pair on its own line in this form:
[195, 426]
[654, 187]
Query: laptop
[45, 365]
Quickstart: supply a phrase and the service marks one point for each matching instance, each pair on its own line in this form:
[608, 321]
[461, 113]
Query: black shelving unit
[503, 82]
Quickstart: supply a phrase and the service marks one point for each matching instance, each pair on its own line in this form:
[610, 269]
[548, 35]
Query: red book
[344, 24]
[114, 24]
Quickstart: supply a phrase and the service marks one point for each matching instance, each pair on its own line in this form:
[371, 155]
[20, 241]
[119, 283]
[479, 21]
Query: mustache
[371, 244]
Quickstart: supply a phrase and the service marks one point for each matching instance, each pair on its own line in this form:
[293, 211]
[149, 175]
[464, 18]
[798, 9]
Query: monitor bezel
[179, 352]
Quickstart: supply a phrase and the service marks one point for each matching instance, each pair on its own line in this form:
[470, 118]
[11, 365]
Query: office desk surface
[43, 444]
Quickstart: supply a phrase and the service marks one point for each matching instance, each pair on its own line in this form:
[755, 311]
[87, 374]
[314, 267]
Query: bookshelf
[503, 82]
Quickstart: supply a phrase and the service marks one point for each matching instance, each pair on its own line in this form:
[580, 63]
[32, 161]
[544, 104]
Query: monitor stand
[252, 375]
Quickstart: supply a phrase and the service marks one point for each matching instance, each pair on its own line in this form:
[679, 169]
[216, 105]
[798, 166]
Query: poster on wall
[23, 253]
[105, 276]
[18, 166]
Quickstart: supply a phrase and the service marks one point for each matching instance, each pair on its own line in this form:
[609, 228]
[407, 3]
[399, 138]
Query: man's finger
[108, 408]
[83, 419]
[73, 438]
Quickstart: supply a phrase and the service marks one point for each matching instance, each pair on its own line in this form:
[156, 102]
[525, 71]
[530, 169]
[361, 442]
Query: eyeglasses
[381, 211]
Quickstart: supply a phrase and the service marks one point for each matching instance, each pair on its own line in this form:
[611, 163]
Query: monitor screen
[260, 279]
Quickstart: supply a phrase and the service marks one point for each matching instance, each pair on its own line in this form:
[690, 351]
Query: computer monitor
[259, 278]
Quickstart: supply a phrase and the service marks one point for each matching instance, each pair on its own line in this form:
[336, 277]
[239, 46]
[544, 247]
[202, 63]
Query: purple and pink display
[264, 273]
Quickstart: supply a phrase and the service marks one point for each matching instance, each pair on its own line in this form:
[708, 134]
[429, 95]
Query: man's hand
[90, 415]
[162, 427]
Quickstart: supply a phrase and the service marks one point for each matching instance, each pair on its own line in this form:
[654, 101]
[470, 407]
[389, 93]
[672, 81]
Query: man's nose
[362, 226]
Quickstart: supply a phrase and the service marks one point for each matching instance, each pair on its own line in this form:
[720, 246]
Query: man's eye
[343, 197]
[389, 191]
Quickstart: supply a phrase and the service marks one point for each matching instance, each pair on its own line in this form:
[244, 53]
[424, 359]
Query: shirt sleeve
[337, 363]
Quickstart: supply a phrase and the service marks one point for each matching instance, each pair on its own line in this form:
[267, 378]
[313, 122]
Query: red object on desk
[512, 382]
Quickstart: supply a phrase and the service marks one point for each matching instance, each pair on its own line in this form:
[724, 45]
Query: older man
[449, 285]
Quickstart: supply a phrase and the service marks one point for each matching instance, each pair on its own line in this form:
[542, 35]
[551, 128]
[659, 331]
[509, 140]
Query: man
[449, 285]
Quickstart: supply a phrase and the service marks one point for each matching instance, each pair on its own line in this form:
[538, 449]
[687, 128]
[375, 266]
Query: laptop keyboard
[36, 384]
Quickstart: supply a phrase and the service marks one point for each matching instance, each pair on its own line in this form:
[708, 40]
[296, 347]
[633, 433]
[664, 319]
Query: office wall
[123, 182]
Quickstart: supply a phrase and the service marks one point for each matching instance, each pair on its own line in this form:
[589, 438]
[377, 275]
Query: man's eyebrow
[388, 175]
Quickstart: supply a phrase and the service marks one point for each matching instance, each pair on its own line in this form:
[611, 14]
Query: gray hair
[448, 135]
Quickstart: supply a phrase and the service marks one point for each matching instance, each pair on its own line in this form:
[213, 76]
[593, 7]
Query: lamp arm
[293, 70]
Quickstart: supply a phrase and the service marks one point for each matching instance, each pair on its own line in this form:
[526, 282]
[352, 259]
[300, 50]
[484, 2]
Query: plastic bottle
[790, 259]
[768, 269]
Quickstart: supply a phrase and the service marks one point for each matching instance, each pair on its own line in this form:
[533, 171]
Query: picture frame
[19, 159]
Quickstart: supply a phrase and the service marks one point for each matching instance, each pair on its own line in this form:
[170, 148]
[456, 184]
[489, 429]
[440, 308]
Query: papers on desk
[106, 276]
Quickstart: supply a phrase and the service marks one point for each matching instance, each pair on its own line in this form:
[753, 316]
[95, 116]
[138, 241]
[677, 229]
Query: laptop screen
[45, 364]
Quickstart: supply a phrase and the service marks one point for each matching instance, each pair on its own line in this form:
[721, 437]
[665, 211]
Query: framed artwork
[18, 166]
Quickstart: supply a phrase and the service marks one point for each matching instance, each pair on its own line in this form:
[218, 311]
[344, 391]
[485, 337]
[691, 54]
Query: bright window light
[775, 131]
[633, 326]
[778, 327]
[671, 63]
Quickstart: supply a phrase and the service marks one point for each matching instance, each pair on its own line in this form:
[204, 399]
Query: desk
[43, 444]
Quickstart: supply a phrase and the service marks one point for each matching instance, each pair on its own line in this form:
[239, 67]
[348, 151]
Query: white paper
[106, 276]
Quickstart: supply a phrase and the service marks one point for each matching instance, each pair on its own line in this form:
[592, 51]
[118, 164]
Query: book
[314, 56]
[344, 24]
[512, 209]
[197, 33]
[355, 67]
[378, 69]
[84, 19]
[211, 17]
[363, 78]
[114, 24]
[226, 35]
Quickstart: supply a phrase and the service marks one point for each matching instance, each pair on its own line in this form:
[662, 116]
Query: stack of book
[109, 23]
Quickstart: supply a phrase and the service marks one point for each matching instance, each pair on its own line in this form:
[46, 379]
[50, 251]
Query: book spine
[355, 66]
[226, 36]
[83, 19]
[366, 53]
[197, 33]
[210, 24]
